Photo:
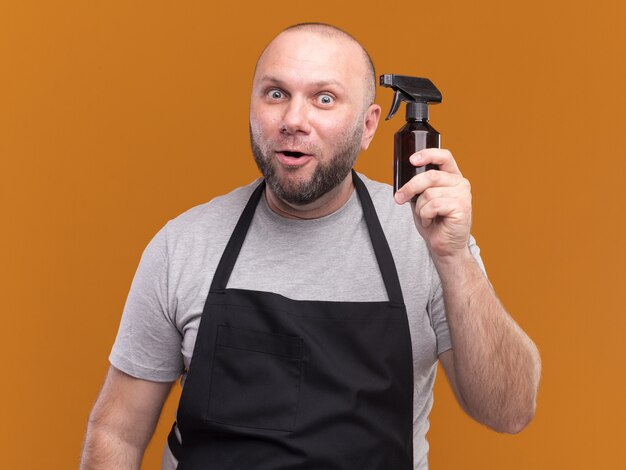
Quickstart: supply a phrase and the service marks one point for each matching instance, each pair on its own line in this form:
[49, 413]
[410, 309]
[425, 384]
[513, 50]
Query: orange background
[117, 116]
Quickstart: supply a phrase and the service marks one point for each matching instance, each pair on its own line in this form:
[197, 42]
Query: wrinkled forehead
[312, 55]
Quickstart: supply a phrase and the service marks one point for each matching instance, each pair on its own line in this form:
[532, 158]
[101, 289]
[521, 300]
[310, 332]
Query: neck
[325, 205]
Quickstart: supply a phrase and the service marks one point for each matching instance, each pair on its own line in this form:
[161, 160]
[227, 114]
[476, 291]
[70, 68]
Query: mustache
[294, 144]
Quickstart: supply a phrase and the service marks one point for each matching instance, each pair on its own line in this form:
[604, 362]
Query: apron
[276, 383]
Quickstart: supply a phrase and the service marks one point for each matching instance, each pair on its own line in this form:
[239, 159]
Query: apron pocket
[255, 381]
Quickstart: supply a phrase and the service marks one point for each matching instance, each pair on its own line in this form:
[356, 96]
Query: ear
[372, 116]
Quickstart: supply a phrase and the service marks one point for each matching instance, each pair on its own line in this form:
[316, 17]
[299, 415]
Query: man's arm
[122, 422]
[493, 366]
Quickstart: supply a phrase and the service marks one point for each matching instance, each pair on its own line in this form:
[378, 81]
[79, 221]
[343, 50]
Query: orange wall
[116, 116]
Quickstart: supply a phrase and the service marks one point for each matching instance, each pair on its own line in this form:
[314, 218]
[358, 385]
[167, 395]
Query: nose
[295, 118]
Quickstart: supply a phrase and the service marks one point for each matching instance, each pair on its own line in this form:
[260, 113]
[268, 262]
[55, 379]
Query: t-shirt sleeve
[436, 306]
[148, 344]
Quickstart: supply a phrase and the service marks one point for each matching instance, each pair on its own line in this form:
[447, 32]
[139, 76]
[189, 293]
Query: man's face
[307, 114]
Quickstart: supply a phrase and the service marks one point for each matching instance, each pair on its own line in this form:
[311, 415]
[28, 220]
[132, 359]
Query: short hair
[333, 31]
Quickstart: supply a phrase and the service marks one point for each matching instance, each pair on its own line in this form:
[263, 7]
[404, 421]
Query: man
[316, 346]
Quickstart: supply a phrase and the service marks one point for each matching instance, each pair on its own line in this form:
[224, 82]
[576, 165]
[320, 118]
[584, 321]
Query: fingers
[449, 207]
[441, 157]
[431, 179]
[443, 207]
[437, 192]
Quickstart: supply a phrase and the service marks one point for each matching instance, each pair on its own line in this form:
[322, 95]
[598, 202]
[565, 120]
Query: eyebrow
[319, 83]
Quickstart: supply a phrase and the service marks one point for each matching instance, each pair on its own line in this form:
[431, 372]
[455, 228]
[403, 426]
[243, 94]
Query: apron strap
[384, 257]
[231, 252]
[176, 448]
[383, 254]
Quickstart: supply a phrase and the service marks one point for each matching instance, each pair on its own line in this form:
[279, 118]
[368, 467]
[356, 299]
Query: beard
[325, 177]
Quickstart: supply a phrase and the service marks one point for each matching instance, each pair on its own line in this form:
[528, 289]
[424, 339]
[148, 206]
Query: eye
[325, 99]
[275, 94]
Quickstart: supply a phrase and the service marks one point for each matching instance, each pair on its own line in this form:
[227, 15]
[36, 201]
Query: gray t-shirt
[330, 258]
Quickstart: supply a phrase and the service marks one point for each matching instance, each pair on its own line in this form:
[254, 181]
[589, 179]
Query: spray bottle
[417, 134]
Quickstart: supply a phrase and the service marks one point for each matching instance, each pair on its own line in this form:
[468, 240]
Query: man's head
[311, 110]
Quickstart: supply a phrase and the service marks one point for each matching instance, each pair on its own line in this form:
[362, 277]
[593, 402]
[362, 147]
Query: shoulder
[221, 210]
[216, 207]
[205, 224]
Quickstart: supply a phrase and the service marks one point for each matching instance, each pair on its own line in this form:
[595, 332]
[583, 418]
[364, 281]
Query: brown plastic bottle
[416, 135]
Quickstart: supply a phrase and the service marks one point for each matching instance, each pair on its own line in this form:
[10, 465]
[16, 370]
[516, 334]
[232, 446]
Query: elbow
[518, 425]
[517, 422]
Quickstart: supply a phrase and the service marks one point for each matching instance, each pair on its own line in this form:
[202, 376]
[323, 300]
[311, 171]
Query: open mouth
[293, 158]
[293, 154]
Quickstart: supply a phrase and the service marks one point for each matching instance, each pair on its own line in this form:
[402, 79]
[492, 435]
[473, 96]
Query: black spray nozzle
[411, 90]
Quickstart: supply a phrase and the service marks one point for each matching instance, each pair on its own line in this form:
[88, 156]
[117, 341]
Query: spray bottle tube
[417, 134]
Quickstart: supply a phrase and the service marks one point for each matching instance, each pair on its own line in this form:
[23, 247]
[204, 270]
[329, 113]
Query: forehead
[306, 56]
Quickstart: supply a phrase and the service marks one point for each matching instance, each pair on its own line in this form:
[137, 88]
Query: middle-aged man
[328, 303]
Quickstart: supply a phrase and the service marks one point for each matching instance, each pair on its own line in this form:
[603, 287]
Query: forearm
[106, 449]
[122, 422]
[496, 365]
